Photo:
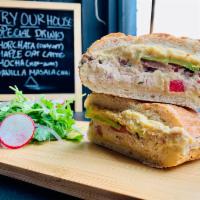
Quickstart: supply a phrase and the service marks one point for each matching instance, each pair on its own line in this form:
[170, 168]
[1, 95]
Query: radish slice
[16, 130]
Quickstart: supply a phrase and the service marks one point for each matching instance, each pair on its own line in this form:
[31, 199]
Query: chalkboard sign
[40, 48]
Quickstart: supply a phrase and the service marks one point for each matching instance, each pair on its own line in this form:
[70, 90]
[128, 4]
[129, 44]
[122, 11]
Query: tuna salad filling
[178, 75]
[147, 72]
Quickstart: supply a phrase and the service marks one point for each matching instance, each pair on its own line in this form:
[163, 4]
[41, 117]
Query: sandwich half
[156, 67]
[160, 135]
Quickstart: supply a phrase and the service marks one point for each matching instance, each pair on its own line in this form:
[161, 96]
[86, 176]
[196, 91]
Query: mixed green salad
[53, 120]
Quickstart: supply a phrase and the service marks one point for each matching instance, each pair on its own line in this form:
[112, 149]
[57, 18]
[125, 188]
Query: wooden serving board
[87, 171]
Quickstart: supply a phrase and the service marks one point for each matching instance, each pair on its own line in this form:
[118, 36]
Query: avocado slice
[187, 65]
[90, 114]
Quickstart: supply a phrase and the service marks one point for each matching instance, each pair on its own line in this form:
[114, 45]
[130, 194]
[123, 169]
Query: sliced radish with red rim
[16, 130]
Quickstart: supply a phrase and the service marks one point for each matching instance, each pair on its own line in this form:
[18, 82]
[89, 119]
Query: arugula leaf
[41, 134]
[57, 117]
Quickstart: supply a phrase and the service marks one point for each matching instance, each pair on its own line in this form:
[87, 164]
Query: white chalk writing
[34, 45]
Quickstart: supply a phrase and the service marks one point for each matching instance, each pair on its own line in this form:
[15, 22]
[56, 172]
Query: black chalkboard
[37, 50]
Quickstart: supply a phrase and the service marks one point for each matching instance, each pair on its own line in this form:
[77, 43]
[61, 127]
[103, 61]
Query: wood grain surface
[87, 171]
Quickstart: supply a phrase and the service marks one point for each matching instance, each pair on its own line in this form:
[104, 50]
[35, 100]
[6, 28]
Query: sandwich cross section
[160, 135]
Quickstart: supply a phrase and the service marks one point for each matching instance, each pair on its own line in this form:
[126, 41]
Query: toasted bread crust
[185, 42]
[115, 37]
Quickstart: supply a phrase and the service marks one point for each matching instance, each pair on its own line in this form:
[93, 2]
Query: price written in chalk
[37, 44]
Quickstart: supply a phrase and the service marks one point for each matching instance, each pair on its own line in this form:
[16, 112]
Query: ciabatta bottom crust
[154, 151]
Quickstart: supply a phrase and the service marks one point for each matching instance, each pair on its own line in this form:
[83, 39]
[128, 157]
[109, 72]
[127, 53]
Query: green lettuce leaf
[53, 115]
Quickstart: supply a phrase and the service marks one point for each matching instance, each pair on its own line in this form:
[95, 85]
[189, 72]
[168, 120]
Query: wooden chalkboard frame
[76, 8]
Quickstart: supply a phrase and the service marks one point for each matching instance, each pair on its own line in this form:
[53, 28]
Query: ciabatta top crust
[158, 44]
[161, 39]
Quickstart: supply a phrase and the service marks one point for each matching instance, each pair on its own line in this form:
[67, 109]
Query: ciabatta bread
[156, 67]
[160, 135]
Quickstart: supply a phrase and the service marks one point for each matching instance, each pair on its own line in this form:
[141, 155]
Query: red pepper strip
[176, 86]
